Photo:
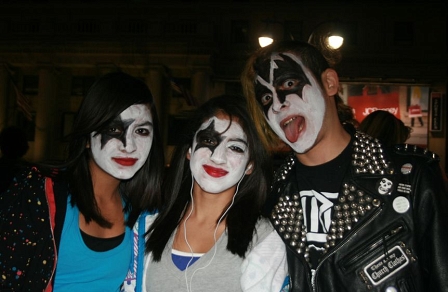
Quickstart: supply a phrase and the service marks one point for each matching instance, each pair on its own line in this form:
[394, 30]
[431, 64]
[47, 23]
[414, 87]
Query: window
[87, 26]
[138, 27]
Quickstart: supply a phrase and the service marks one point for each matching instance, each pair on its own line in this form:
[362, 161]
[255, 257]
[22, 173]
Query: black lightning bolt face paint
[123, 147]
[220, 155]
[278, 78]
[292, 100]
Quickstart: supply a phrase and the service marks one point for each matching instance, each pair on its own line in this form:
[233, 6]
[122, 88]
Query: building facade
[189, 51]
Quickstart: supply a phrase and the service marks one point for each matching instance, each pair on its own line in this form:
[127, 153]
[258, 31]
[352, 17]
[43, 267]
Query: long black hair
[246, 209]
[110, 95]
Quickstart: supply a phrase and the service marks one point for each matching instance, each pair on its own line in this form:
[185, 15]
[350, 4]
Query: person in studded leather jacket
[354, 215]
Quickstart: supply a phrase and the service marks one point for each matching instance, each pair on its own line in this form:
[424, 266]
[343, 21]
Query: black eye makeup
[208, 137]
[116, 130]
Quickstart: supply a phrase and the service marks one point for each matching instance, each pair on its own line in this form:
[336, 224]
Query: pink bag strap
[50, 199]
[52, 210]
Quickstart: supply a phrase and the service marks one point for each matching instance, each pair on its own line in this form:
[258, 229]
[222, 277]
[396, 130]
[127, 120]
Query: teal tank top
[82, 269]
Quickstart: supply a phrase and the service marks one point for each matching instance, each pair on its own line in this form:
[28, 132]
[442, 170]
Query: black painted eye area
[113, 131]
[289, 84]
[266, 99]
[208, 141]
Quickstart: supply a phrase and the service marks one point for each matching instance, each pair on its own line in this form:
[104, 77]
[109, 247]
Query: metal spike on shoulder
[410, 149]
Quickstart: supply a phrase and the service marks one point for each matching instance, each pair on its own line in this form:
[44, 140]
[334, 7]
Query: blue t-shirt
[82, 269]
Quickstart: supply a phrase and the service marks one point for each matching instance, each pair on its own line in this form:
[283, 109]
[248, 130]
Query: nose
[219, 154]
[128, 144]
[277, 104]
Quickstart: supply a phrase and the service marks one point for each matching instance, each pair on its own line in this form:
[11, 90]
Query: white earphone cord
[214, 234]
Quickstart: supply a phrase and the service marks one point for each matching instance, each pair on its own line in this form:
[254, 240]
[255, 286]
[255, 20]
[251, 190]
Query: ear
[249, 168]
[189, 153]
[330, 81]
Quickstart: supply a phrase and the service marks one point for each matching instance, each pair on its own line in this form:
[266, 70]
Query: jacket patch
[385, 186]
[404, 188]
[406, 168]
[401, 204]
[386, 265]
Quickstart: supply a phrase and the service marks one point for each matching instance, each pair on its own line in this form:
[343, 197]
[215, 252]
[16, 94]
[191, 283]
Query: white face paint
[123, 147]
[219, 155]
[292, 100]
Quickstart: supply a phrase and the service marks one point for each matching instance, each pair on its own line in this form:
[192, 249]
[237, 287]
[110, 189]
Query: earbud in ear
[189, 150]
[249, 167]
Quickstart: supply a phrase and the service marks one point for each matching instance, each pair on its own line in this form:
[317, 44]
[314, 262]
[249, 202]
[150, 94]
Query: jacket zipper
[384, 239]
[373, 216]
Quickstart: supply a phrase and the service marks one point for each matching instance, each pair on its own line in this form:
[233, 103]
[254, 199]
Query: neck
[207, 206]
[329, 145]
[105, 186]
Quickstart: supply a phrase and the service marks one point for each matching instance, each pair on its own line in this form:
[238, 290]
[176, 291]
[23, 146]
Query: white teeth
[301, 127]
[288, 121]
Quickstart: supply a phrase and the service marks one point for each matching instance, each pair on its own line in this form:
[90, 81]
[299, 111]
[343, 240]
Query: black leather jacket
[389, 227]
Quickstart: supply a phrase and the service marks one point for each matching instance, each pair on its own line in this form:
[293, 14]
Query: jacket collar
[368, 160]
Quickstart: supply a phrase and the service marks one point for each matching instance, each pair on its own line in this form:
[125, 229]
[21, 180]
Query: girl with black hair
[68, 227]
[210, 235]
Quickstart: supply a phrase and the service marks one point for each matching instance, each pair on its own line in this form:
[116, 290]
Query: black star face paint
[123, 147]
[220, 155]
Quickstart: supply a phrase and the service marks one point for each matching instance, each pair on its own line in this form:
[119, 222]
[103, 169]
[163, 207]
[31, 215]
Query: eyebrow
[147, 123]
[239, 140]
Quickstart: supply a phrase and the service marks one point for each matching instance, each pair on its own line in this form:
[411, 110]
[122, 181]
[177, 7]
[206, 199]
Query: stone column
[154, 80]
[46, 120]
[200, 83]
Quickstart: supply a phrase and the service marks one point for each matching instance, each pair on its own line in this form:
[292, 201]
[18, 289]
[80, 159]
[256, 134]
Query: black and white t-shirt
[319, 190]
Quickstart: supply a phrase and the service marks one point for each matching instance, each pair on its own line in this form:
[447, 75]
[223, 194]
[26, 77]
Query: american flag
[179, 88]
[23, 103]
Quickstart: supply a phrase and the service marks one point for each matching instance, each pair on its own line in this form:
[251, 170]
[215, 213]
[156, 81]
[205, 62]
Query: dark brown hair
[385, 127]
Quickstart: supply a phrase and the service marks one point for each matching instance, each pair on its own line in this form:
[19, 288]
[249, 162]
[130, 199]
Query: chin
[124, 176]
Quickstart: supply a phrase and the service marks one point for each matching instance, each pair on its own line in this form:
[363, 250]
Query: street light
[335, 41]
[267, 35]
[265, 41]
[327, 34]
[327, 37]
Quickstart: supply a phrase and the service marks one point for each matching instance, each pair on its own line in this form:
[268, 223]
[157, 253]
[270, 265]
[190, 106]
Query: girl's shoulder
[262, 229]
[144, 221]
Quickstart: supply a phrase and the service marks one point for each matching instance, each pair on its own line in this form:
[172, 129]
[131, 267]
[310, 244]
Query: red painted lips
[215, 172]
[125, 161]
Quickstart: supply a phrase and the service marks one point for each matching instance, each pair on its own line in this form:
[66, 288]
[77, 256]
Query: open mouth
[125, 161]
[292, 127]
[214, 172]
